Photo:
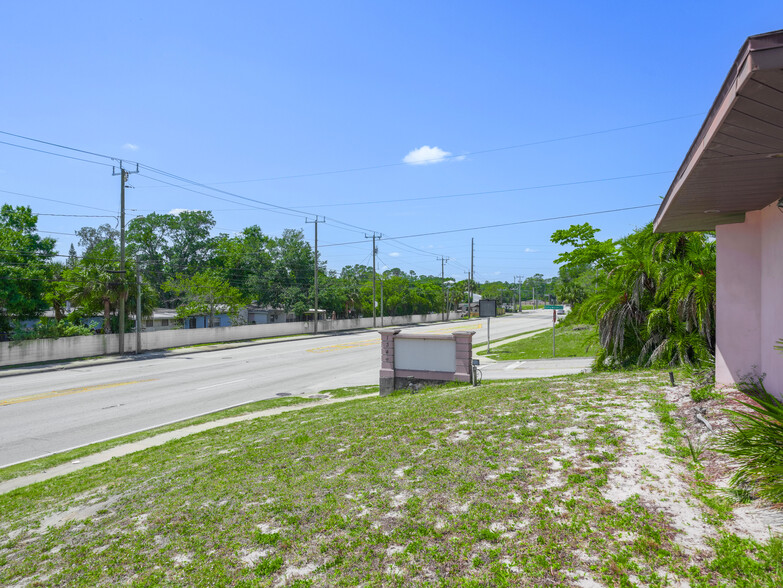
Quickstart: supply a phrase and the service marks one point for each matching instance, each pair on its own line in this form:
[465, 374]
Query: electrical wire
[490, 192]
[53, 200]
[470, 153]
[55, 154]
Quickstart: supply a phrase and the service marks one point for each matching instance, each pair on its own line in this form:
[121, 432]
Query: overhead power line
[488, 192]
[498, 225]
[54, 200]
[55, 154]
[469, 153]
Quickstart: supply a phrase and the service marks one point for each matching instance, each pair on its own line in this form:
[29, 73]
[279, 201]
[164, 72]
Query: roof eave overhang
[709, 189]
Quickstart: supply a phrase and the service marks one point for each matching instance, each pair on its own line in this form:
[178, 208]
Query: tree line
[181, 265]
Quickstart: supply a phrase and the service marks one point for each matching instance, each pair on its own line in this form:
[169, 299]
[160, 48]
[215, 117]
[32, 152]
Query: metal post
[487, 335]
[381, 302]
[554, 322]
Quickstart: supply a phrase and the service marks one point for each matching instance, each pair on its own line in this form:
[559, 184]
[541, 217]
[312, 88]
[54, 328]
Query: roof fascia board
[720, 109]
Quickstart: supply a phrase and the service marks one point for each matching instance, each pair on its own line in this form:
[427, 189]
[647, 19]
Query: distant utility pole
[374, 236]
[518, 280]
[315, 271]
[123, 173]
[138, 306]
[470, 301]
[443, 261]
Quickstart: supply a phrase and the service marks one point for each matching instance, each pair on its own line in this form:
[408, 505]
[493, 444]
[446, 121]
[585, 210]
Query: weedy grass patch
[562, 481]
[42, 464]
[570, 341]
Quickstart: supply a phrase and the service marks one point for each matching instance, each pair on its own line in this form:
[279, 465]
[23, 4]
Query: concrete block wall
[40, 350]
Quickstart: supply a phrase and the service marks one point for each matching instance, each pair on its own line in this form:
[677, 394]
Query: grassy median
[570, 341]
[579, 480]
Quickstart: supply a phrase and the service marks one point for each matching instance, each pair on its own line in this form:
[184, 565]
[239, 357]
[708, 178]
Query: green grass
[45, 463]
[497, 341]
[500, 485]
[570, 341]
[351, 391]
[39, 465]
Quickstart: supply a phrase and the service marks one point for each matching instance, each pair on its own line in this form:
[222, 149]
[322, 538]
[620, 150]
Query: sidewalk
[156, 440]
[534, 368]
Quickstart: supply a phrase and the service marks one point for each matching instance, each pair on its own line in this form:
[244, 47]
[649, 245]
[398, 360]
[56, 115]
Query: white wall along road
[49, 412]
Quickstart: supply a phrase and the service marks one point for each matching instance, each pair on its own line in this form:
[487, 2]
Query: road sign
[553, 306]
[488, 308]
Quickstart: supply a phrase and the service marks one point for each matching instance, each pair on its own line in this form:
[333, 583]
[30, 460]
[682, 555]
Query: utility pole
[518, 280]
[123, 173]
[138, 306]
[315, 272]
[443, 261]
[470, 301]
[374, 236]
[381, 302]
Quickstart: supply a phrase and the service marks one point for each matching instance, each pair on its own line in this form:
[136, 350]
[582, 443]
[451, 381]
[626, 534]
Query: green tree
[245, 261]
[290, 278]
[353, 278]
[656, 304]
[24, 266]
[586, 249]
[89, 237]
[94, 286]
[205, 293]
[171, 244]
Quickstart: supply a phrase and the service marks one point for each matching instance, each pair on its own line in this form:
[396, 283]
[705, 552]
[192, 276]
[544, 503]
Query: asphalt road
[48, 412]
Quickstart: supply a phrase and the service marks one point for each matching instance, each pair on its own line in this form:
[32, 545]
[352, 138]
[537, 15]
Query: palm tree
[657, 304]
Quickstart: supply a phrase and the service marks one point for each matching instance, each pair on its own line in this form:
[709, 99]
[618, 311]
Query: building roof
[735, 164]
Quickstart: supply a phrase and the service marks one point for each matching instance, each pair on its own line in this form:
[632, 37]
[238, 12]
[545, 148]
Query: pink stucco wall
[749, 295]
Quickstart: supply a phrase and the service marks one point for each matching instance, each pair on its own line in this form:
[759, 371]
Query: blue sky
[244, 95]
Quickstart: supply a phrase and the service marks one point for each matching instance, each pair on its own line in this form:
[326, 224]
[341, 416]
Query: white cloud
[529, 250]
[394, 254]
[131, 146]
[177, 211]
[426, 154]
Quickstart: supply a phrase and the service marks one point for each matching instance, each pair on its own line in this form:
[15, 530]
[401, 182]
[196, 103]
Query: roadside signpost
[555, 308]
[488, 309]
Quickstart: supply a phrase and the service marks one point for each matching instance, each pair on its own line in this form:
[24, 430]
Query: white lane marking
[221, 384]
[513, 366]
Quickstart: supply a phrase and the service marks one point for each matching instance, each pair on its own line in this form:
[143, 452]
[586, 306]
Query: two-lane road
[48, 412]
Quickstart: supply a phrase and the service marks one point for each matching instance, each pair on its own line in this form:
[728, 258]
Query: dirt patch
[704, 422]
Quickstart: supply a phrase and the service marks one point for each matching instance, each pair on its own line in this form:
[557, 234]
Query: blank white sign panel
[433, 355]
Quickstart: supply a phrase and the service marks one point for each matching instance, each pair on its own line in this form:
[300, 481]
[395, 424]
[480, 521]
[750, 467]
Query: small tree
[205, 293]
[24, 271]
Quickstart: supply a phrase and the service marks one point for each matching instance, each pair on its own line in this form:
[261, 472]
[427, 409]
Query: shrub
[703, 393]
[757, 444]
